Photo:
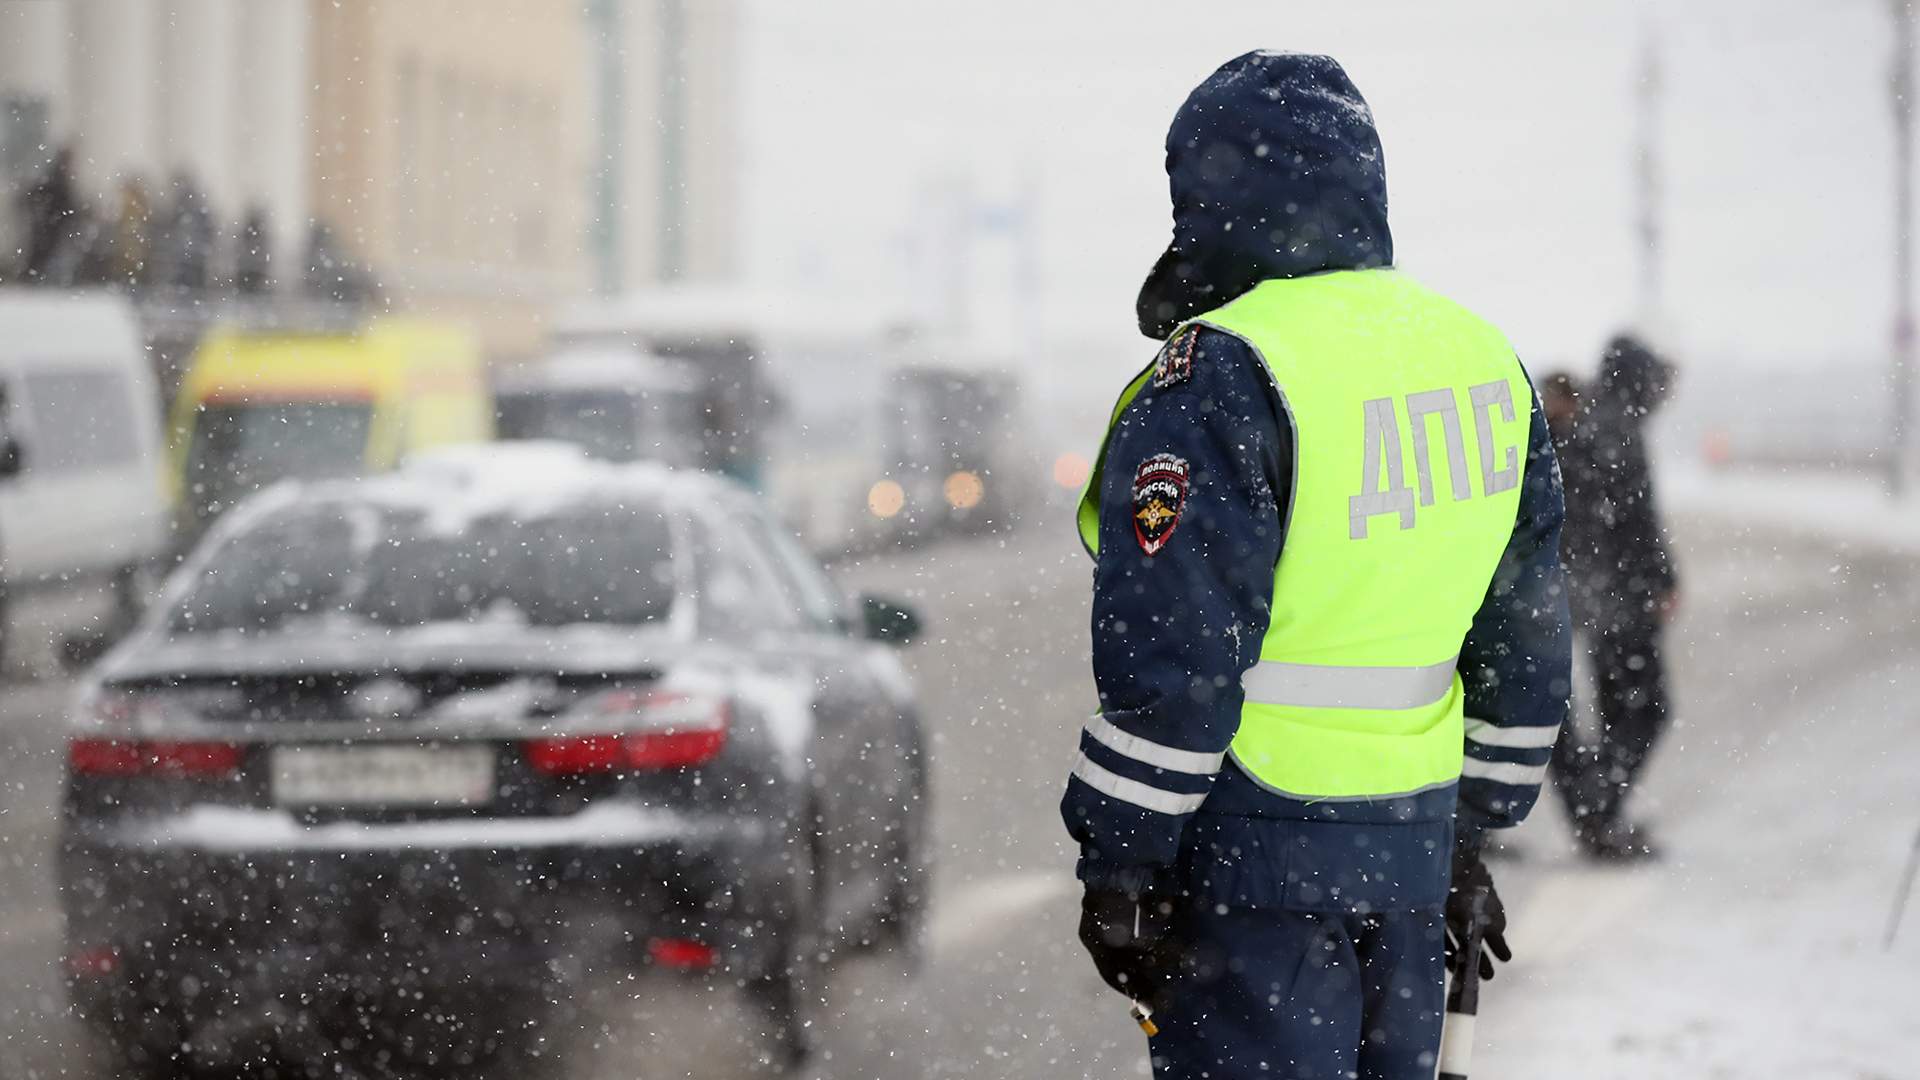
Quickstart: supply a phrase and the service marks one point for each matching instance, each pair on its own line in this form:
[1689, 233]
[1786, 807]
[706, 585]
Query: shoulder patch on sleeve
[1174, 365]
[1159, 496]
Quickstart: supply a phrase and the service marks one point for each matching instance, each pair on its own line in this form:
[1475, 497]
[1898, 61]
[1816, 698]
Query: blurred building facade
[451, 152]
[149, 96]
[673, 137]
[484, 162]
[490, 167]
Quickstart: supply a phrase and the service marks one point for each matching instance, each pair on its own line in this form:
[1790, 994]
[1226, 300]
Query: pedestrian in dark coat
[51, 208]
[1622, 589]
[183, 252]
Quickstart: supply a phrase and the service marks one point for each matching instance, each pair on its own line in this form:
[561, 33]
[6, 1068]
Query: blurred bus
[617, 405]
[788, 393]
[259, 406]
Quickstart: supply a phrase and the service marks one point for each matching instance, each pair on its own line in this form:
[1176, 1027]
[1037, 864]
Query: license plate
[431, 775]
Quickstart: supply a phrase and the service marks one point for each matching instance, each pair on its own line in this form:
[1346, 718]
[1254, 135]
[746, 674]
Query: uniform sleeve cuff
[1133, 880]
[1469, 834]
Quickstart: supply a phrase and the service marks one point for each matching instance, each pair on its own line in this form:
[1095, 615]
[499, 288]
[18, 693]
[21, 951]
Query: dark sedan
[396, 761]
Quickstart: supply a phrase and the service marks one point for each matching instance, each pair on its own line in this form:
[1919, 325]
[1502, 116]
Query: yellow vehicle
[255, 407]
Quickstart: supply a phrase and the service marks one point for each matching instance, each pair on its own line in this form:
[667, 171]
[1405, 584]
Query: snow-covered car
[427, 747]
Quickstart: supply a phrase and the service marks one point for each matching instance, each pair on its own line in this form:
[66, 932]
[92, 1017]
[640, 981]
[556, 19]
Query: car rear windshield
[325, 563]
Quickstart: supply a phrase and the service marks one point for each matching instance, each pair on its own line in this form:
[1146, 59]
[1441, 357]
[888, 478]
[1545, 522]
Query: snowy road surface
[1788, 796]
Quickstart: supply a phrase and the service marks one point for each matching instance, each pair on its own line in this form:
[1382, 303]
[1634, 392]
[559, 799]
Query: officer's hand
[1473, 903]
[1130, 941]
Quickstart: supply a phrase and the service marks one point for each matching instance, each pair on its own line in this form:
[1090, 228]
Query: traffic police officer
[1329, 634]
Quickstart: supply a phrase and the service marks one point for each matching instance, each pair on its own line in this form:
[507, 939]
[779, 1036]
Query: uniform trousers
[1296, 995]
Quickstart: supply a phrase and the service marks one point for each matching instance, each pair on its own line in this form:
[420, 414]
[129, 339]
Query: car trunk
[392, 745]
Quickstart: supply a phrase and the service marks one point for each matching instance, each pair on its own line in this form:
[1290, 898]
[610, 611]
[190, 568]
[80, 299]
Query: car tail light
[655, 731]
[93, 961]
[565, 754]
[153, 757]
[683, 953]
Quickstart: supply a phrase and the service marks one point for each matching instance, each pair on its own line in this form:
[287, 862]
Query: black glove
[1130, 941]
[1474, 904]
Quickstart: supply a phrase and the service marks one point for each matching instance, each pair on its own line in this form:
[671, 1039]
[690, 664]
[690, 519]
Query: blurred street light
[603, 17]
[1647, 175]
[1901, 86]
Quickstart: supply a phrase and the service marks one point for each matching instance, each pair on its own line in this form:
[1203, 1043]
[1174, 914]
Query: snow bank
[1848, 508]
[1757, 949]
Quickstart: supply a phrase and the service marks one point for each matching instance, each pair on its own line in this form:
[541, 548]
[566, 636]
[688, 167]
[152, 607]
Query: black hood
[1632, 375]
[1276, 171]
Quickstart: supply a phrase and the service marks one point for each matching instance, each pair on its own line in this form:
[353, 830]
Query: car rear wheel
[901, 922]
[527, 1033]
[788, 991]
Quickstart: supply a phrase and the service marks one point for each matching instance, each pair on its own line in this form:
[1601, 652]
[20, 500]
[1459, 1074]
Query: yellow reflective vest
[1409, 419]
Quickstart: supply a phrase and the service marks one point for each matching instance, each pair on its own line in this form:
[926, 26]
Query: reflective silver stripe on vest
[1108, 782]
[1319, 686]
[1488, 733]
[1148, 752]
[1503, 772]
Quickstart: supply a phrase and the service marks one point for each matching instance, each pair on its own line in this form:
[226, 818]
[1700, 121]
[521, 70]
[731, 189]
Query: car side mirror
[888, 622]
[13, 457]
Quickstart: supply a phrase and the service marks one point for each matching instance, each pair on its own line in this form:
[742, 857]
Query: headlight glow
[885, 499]
[964, 490]
[1070, 470]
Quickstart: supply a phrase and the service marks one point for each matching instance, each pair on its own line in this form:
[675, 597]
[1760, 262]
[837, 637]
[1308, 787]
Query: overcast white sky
[1507, 126]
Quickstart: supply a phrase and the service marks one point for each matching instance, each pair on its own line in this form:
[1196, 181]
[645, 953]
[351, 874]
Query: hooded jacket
[1275, 171]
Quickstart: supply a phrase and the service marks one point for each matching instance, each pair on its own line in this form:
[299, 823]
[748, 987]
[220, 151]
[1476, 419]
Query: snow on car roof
[528, 479]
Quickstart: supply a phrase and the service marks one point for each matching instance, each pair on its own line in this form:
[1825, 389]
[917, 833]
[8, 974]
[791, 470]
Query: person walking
[1623, 588]
[52, 212]
[1330, 637]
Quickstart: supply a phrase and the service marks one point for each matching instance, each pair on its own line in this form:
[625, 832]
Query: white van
[80, 426]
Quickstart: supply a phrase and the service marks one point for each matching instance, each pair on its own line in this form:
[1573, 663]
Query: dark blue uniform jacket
[1276, 172]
